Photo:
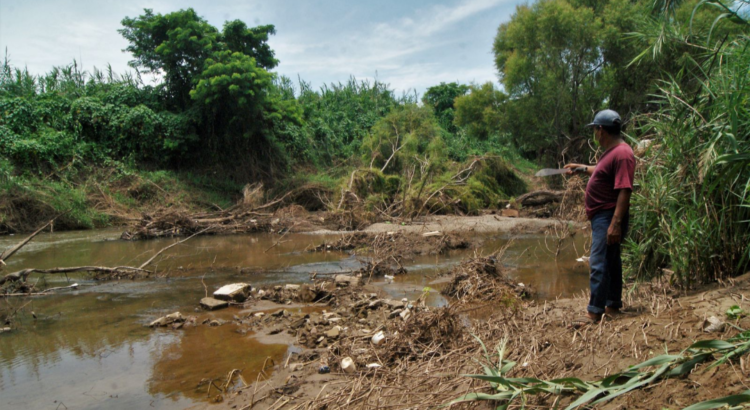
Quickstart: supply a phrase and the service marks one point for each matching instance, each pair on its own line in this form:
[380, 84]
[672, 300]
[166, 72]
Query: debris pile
[483, 280]
[398, 243]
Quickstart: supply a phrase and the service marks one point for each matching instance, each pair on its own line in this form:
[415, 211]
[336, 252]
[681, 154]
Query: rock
[347, 365]
[167, 320]
[713, 324]
[306, 295]
[375, 304]
[213, 304]
[346, 280]
[509, 213]
[237, 292]
[299, 322]
[334, 332]
[393, 304]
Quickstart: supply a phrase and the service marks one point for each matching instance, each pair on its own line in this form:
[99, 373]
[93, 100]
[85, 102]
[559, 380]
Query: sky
[409, 44]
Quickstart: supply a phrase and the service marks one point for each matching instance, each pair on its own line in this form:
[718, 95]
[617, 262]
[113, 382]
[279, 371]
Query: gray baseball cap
[606, 118]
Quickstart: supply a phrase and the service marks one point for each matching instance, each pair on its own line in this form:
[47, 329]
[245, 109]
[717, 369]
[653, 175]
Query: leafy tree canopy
[441, 98]
[178, 44]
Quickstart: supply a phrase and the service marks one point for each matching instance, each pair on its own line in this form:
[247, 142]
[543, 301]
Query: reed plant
[507, 391]
[691, 208]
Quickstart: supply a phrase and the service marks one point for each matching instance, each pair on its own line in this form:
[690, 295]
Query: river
[89, 348]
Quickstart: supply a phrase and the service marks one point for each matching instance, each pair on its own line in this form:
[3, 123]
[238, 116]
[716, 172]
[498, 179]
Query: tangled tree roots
[482, 280]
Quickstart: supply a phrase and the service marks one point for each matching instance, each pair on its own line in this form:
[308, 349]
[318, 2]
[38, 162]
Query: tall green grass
[691, 209]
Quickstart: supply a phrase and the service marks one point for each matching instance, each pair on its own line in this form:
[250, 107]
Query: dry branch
[8, 253]
[144, 264]
[120, 270]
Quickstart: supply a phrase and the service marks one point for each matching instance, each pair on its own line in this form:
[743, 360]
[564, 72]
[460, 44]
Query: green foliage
[510, 389]
[549, 60]
[735, 312]
[441, 98]
[692, 211]
[405, 137]
[336, 119]
[481, 112]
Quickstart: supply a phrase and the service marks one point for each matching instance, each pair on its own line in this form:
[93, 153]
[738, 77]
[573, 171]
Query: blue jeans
[606, 264]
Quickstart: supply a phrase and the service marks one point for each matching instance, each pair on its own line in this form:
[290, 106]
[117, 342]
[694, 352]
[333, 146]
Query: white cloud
[399, 49]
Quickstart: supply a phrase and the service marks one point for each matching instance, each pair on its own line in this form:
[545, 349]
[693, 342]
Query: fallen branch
[23, 274]
[42, 293]
[7, 254]
[151, 259]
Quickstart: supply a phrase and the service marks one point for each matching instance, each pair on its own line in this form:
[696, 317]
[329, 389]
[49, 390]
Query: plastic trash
[324, 369]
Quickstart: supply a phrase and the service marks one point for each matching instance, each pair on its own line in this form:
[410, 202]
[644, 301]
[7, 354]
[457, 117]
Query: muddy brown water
[89, 348]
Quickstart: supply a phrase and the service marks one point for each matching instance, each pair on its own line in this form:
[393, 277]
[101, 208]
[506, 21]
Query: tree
[441, 98]
[480, 113]
[549, 61]
[178, 44]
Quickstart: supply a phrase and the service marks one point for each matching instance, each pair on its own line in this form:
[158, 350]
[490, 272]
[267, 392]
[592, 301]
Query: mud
[423, 357]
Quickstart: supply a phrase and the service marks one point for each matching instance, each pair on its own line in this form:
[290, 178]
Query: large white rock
[235, 292]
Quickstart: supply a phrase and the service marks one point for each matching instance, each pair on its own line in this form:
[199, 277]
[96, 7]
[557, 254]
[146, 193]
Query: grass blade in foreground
[723, 402]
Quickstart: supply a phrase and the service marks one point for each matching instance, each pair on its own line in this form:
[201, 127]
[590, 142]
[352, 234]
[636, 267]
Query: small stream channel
[89, 348]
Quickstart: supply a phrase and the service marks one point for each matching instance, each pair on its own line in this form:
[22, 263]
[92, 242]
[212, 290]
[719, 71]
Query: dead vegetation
[483, 280]
[399, 243]
[249, 214]
[420, 362]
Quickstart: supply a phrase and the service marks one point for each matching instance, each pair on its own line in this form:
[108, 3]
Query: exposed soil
[419, 363]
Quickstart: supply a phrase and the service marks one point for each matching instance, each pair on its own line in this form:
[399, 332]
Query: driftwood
[538, 198]
[151, 259]
[8, 253]
[120, 270]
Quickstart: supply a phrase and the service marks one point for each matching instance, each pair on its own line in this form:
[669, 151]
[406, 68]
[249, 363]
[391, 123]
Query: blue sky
[408, 44]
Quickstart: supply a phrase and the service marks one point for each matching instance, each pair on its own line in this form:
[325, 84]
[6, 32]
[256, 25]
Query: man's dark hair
[613, 130]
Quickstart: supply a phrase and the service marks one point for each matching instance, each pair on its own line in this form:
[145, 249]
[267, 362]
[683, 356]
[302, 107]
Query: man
[607, 204]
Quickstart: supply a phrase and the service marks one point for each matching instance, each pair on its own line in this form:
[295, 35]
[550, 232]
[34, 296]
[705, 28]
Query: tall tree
[549, 61]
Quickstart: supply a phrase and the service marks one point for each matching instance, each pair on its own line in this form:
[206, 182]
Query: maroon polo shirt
[615, 171]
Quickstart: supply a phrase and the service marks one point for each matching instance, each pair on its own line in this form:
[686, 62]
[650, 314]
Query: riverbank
[424, 352]
[538, 337]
